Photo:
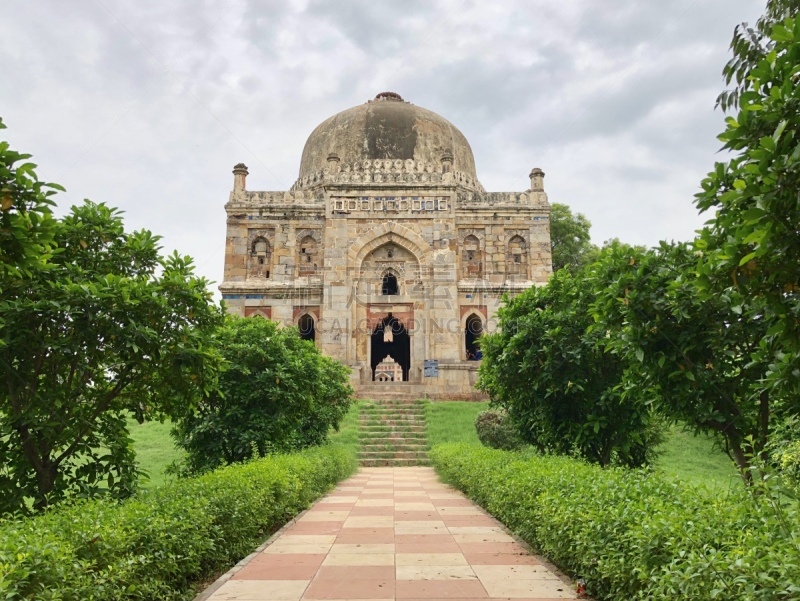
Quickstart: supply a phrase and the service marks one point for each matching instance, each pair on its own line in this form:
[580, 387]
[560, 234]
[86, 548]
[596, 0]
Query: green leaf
[779, 130]
[748, 257]
[753, 214]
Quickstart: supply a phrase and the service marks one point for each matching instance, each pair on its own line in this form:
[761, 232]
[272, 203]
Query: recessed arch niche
[389, 270]
[260, 258]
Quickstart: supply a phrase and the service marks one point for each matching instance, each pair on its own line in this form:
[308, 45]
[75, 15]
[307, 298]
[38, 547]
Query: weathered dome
[387, 128]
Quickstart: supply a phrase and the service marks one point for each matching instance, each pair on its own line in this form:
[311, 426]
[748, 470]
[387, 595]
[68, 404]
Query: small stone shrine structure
[388, 370]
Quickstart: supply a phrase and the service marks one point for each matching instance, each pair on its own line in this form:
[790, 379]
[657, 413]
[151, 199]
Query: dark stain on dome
[390, 131]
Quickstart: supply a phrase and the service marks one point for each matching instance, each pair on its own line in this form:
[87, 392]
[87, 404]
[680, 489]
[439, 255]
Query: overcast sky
[147, 105]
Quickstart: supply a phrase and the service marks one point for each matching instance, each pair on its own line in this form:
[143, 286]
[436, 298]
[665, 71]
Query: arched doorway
[306, 326]
[390, 338]
[473, 328]
[389, 285]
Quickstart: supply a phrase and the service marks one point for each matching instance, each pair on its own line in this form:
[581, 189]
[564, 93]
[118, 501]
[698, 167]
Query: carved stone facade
[387, 245]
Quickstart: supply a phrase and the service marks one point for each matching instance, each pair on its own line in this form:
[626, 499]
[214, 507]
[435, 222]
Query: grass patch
[696, 459]
[452, 421]
[154, 448]
[347, 435]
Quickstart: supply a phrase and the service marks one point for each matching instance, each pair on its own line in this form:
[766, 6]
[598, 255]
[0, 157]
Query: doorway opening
[390, 338]
[389, 285]
[473, 329]
[306, 327]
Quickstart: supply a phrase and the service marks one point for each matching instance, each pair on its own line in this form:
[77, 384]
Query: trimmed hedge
[164, 542]
[635, 534]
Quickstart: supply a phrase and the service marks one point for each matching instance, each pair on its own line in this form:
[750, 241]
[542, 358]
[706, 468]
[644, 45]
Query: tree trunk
[46, 480]
[764, 425]
[742, 462]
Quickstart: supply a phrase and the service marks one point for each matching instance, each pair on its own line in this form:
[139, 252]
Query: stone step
[415, 438]
[373, 440]
[392, 433]
[390, 408]
[393, 454]
[400, 401]
[395, 414]
[388, 397]
[407, 437]
[396, 447]
[400, 424]
[393, 462]
[391, 422]
[398, 410]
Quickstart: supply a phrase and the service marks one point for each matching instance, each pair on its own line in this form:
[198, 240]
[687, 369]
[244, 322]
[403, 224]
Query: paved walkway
[394, 533]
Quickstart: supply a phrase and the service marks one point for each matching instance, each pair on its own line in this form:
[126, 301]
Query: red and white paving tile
[394, 533]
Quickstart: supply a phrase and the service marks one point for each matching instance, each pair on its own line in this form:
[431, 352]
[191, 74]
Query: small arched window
[389, 285]
[307, 256]
[260, 255]
[517, 258]
[471, 259]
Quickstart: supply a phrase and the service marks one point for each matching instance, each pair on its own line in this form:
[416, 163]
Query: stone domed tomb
[387, 245]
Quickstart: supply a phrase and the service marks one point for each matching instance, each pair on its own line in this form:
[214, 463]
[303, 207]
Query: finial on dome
[389, 96]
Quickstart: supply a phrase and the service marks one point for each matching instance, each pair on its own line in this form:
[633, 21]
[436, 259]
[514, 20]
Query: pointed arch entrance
[306, 327]
[473, 329]
[390, 338]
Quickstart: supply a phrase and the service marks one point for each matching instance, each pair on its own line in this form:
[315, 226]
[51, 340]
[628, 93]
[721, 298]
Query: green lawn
[154, 449]
[348, 429]
[694, 459]
[452, 421]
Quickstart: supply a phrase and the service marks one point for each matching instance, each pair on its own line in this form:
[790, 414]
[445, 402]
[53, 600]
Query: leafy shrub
[789, 460]
[497, 431]
[160, 543]
[277, 393]
[784, 450]
[550, 370]
[635, 534]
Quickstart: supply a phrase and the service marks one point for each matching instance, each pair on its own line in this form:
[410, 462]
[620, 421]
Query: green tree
[570, 241]
[26, 221]
[751, 245]
[111, 329]
[551, 373]
[277, 393]
[691, 351]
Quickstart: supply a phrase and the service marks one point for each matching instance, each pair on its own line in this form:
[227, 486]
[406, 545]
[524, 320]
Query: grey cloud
[379, 27]
[526, 81]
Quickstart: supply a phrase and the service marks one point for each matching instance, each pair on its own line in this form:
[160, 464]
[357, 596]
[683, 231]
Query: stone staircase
[394, 391]
[392, 433]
